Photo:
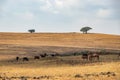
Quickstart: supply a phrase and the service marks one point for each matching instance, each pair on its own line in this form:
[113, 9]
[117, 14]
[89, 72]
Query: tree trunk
[85, 32]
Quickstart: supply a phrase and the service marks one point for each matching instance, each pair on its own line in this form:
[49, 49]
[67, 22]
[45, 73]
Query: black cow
[25, 59]
[43, 55]
[52, 55]
[84, 56]
[17, 58]
[36, 57]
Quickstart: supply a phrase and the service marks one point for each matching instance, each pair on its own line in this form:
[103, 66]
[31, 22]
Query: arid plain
[68, 67]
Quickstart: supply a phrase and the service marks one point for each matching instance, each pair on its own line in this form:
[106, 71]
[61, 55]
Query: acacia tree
[85, 29]
[31, 30]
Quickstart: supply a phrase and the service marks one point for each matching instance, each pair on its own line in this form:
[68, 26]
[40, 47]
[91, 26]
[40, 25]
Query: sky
[60, 15]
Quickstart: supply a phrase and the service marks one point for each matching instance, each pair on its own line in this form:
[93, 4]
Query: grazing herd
[90, 56]
[36, 57]
[93, 56]
[23, 59]
[87, 56]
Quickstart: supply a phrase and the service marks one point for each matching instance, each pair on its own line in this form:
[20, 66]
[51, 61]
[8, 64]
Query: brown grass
[98, 71]
[58, 68]
[62, 39]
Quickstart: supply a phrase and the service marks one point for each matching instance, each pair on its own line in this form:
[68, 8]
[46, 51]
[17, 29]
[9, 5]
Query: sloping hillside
[62, 39]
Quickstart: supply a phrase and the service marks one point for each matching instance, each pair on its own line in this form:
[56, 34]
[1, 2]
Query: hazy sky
[60, 15]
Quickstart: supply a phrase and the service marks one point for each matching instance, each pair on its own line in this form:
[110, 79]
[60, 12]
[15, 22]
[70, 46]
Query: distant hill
[62, 39]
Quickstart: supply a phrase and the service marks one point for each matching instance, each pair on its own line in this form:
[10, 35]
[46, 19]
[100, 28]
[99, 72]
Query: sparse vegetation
[68, 65]
[31, 30]
[97, 41]
[95, 71]
[85, 29]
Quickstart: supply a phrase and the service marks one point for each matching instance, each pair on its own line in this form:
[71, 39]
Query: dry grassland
[61, 67]
[62, 39]
[97, 71]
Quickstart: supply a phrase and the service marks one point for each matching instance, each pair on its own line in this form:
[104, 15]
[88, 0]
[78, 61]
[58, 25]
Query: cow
[25, 59]
[17, 58]
[36, 57]
[85, 56]
[90, 56]
[43, 55]
[52, 55]
[57, 54]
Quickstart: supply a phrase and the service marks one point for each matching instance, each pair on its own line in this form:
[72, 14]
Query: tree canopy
[31, 30]
[85, 29]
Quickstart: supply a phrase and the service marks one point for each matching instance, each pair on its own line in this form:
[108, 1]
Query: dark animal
[74, 54]
[17, 58]
[118, 55]
[57, 54]
[92, 56]
[36, 57]
[25, 59]
[52, 55]
[43, 55]
[84, 56]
